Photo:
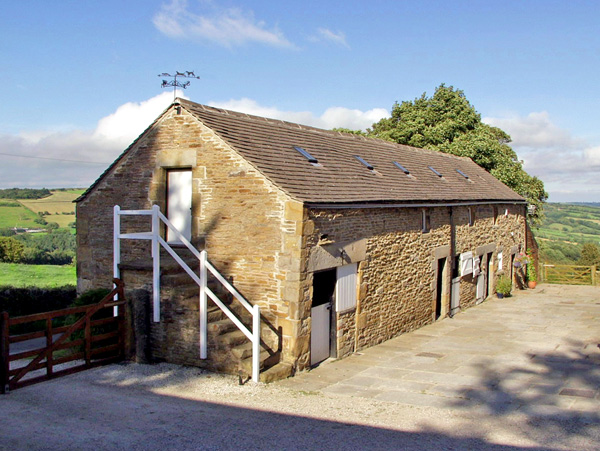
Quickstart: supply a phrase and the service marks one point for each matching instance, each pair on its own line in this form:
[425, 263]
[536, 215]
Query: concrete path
[536, 353]
[515, 374]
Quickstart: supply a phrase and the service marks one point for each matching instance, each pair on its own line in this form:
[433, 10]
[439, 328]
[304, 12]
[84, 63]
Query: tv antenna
[177, 84]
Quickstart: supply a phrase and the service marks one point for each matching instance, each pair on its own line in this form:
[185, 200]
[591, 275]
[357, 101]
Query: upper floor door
[179, 203]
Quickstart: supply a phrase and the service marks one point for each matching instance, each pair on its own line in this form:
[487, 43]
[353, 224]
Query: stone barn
[342, 241]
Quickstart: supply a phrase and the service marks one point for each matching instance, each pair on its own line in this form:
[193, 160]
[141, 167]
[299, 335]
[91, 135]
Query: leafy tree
[348, 130]
[11, 250]
[24, 193]
[449, 123]
[590, 255]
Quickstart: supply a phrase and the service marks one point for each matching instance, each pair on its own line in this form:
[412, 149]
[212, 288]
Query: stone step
[281, 370]
[221, 326]
[232, 339]
[245, 365]
[244, 351]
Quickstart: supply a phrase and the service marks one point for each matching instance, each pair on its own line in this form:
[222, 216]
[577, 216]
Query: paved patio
[537, 353]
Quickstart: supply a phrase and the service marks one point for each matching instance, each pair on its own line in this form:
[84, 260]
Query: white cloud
[332, 117]
[88, 152]
[227, 27]
[325, 34]
[131, 119]
[85, 154]
[568, 165]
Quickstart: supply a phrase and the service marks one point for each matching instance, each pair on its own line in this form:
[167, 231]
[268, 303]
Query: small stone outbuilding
[343, 241]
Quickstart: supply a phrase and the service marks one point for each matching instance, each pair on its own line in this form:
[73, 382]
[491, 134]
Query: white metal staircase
[200, 279]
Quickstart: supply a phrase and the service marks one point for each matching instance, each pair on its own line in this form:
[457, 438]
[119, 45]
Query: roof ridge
[314, 129]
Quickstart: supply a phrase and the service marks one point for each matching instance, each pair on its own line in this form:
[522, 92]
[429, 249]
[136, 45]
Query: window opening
[434, 171]
[402, 168]
[369, 166]
[463, 174]
[425, 221]
[495, 215]
[306, 155]
[471, 216]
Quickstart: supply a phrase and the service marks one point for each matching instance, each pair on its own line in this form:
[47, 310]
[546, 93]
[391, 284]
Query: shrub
[504, 286]
[11, 250]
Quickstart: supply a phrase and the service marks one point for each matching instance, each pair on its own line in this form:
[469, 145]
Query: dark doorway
[323, 287]
[321, 342]
[439, 295]
[488, 274]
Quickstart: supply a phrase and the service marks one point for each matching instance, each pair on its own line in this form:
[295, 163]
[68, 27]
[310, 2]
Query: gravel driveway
[368, 401]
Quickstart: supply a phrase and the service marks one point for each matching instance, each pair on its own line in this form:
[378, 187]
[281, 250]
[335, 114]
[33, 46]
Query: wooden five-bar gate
[569, 274]
[95, 337]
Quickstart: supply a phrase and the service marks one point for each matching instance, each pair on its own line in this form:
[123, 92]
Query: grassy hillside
[14, 214]
[565, 229]
[60, 206]
[43, 276]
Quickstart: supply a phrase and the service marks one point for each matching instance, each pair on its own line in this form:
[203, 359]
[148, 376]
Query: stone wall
[397, 277]
[251, 230]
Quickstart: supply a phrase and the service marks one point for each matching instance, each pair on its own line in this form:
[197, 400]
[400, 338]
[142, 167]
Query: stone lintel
[337, 254]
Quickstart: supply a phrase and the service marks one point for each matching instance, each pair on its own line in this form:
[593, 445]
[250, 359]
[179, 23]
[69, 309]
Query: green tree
[590, 255]
[11, 250]
[348, 130]
[449, 123]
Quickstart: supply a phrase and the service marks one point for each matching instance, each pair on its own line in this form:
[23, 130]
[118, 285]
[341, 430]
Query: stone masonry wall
[398, 279]
[250, 229]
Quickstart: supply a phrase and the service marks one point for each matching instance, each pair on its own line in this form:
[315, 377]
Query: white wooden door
[179, 203]
[345, 288]
[455, 296]
[320, 331]
[480, 288]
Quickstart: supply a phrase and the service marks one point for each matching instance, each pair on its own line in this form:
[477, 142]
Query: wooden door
[179, 203]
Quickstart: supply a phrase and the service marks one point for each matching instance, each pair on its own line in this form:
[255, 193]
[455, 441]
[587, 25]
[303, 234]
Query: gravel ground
[532, 365]
[164, 406]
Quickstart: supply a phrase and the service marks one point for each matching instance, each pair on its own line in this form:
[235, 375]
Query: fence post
[155, 264]
[4, 353]
[594, 275]
[116, 248]
[256, 343]
[203, 307]
[88, 341]
[49, 362]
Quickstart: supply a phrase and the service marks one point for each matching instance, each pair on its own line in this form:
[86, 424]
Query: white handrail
[201, 280]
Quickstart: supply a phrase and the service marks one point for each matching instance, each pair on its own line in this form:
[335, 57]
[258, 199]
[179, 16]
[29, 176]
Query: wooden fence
[569, 274]
[72, 339]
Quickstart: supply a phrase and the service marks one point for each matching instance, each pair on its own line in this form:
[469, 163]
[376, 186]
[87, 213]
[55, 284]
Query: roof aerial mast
[177, 84]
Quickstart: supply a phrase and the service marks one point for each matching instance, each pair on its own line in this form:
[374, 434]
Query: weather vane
[177, 84]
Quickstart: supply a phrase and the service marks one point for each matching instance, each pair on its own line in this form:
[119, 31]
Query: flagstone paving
[537, 352]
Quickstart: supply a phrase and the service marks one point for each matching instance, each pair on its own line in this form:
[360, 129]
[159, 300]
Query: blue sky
[79, 79]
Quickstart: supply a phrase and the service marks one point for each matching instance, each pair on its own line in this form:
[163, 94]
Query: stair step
[221, 326]
[233, 338]
[281, 370]
[243, 351]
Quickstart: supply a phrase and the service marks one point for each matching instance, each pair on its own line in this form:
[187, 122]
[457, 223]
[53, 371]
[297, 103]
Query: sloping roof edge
[125, 152]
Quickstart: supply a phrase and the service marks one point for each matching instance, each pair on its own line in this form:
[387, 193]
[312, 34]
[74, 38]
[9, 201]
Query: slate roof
[339, 178]
[268, 144]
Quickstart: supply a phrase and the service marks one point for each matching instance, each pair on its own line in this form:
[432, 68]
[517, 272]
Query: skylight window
[306, 155]
[402, 168]
[434, 171]
[370, 167]
[463, 174]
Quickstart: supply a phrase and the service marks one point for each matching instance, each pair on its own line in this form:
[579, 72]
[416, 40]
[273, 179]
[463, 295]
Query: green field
[14, 214]
[60, 206]
[43, 276]
[565, 229]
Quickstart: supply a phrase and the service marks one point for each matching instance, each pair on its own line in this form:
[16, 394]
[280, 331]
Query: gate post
[4, 353]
